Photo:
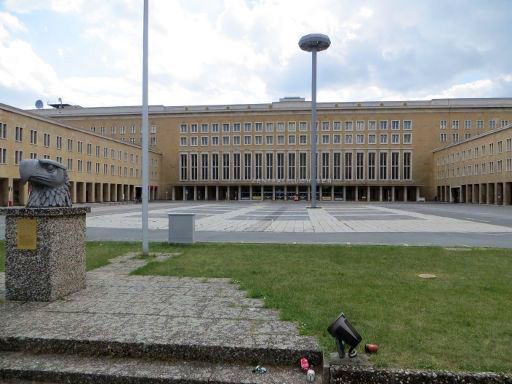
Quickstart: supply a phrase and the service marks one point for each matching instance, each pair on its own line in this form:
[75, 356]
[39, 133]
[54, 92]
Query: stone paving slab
[80, 369]
[155, 316]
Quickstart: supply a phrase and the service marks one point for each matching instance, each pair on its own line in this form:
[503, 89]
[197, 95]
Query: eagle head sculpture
[49, 181]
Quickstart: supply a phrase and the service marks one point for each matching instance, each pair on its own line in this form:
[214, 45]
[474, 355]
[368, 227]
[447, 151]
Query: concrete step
[269, 349]
[88, 369]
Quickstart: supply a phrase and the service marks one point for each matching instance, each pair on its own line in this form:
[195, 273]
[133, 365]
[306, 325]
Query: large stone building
[367, 151]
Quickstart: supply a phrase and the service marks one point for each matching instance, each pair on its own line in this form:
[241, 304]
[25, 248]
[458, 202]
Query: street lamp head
[314, 42]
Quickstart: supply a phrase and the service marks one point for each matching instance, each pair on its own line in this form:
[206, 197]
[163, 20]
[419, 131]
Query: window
[491, 148]
[500, 146]
[509, 164]
[359, 165]
[204, 166]
[359, 139]
[442, 124]
[407, 125]
[467, 124]
[303, 139]
[89, 149]
[455, 137]
[407, 138]
[372, 125]
[3, 131]
[269, 165]
[442, 138]
[193, 128]
[325, 139]
[349, 126]
[509, 144]
[360, 125]
[303, 126]
[258, 127]
[58, 142]
[215, 165]
[325, 166]
[258, 140]
[247, 140]
[348, 139]
[395, 125]
[225, 166]
[371, 166]
[280, 166]
[225, 127]
[504, 123]
[258, 158]
[32, 155]
[467, 135]
[336, 139]
[3, 156]
[98, 151]
[291, 166]
[407, 166]
[303, 165]
[280, 140]
[70, 164]
[383, 138]
[247, 166]
[348, 165]
[183, 141]
[247, 127]
[225, 140]
[33, 137]
[395, 138]
[269, 127]
[193, 166]
[204, 128]
[153, 141]
[479, 124]
[269, 140]
[236, 140]
[499, 166]
[372, 139]
[19, 134]
[280, 127]
[215, 128]
[492, 124]
[383, 125]
[204, 140]
[80, 166]
[455, 124]
[395, 157]
[291, 126]
[183, 167]
[80, 148]
[291, 139]
[336, 126]
[336, 162]
[193, 141]
[326, 126]
[236, 127]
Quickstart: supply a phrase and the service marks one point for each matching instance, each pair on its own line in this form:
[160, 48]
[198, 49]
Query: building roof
[284, 104]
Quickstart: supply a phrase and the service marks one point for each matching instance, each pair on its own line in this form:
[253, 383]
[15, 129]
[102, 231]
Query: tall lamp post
[145, 134]
[314, 42]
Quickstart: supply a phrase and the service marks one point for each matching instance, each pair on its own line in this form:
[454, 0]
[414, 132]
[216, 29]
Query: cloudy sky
[88, 52]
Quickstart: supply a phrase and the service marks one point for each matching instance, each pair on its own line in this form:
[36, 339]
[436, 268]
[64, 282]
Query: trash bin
[181, 228]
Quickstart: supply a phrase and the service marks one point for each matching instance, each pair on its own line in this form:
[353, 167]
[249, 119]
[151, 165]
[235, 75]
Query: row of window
[114, 154]
[443, 124]
[476, 169]
[292, 139]
[292, 126]
[272, 166]
[473, 153]
[122, 130]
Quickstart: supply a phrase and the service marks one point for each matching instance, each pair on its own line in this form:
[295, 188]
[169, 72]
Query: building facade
[368, 151]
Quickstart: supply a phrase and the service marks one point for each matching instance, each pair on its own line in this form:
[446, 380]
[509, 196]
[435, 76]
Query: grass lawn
[461, 320]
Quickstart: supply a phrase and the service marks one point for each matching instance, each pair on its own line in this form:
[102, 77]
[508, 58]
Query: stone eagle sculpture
[49, 181]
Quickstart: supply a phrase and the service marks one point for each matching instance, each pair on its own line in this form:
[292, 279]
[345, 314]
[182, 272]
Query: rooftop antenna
[60, 101]
[39, 104]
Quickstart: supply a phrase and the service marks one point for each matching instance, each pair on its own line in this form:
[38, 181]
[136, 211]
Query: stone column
[206, 192]
[250, 192]
[184, 192]
[217, 193]
[239, 192]
[488, 193]
[405, 193]
[393, 194]
[332, 192]
[228, 193]
[357, 193]
[368, 195]
[380, 193]
[195, 192]
[418, 193]
[344, 193]
[273, 192]
[173, 193]
[507, 192]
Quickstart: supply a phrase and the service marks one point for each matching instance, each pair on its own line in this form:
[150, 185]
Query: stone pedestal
[182, 228]
[45, 252]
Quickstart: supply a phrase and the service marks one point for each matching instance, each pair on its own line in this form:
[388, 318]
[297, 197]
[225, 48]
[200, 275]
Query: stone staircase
[150, 329]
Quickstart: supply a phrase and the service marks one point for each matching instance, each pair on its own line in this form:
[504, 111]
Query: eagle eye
[50, 168]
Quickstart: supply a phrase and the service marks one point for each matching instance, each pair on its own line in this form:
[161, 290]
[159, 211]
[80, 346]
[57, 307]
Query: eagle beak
[27, 168]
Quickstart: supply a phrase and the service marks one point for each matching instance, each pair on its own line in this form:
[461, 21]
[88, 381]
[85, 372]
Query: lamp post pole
[314, 43]
[145, 134]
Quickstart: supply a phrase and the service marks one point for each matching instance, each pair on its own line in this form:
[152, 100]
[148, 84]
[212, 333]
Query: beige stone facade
[368, 151]
[477, 170]
[100, 169]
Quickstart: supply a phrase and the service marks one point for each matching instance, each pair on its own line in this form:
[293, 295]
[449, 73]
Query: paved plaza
[293, 222]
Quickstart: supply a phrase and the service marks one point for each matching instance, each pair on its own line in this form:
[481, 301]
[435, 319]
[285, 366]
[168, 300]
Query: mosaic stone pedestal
[45, 252]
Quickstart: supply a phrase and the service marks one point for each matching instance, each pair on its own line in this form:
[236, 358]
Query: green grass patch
[461, 320]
